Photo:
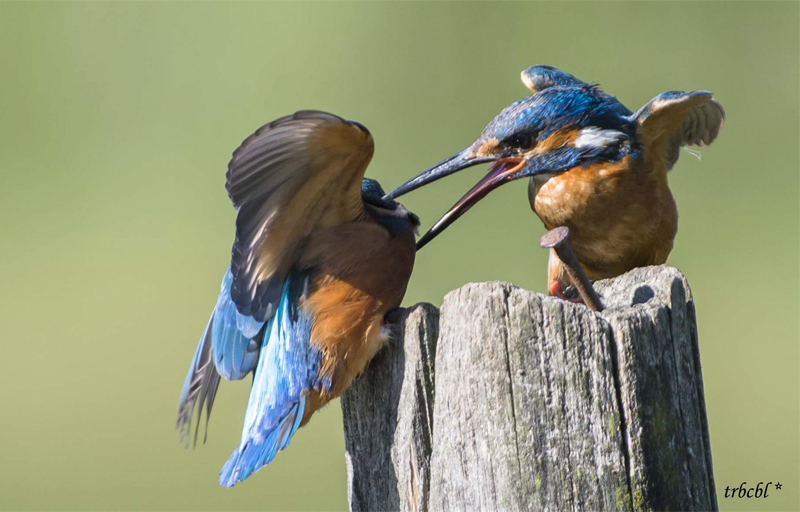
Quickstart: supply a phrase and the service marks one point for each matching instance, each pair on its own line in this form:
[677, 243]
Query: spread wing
[291, 176]
[541, 77]
[675, 119]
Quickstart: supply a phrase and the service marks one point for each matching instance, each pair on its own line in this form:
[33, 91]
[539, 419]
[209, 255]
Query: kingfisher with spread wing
[318, 261]
[594, 166]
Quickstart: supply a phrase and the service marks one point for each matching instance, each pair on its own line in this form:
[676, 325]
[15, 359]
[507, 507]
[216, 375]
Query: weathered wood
[389, 419]
[536, 404]
[661, 387]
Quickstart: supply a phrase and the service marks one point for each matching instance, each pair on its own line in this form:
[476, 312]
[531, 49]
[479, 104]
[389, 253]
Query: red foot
[556, 291]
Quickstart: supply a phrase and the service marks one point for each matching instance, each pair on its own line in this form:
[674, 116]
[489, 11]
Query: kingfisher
[318, 261]
[593, 165]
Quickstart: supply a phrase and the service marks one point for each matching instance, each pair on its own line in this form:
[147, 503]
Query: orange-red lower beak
[502, 171]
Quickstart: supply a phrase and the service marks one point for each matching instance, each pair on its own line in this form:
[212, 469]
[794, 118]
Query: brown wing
[675, 119]
[293, 175]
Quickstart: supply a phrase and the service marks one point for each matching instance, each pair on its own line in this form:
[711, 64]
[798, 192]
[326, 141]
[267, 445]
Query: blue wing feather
[228, 348]
[233, 336]
[285, 364]
[286, 370]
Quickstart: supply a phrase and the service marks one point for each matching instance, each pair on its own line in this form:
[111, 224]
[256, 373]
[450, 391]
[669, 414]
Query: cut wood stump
[511, 400]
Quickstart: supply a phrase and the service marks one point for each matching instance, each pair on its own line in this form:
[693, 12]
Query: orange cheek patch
[556, 140]
[488, 148]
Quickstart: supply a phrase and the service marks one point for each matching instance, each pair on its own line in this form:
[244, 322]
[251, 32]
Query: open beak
[502, 171]
[455, 163]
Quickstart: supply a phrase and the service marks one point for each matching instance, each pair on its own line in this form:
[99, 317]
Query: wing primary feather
[199, 388]
[212, 394]
[207, 389]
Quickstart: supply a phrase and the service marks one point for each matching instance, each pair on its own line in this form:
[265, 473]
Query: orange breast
[362, 273]
[620, 215]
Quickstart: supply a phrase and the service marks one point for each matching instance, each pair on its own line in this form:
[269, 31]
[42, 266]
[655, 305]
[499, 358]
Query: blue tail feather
[252, 456]
[286, 370]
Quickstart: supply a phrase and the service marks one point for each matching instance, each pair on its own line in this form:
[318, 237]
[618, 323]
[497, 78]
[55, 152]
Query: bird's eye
[522, 140]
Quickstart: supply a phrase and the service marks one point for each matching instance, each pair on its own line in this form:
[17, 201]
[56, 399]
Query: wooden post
[510, 400]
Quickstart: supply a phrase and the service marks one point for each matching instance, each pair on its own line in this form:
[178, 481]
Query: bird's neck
[395, 222]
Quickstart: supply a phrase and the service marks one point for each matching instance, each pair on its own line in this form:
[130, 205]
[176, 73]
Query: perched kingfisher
[318, 261]
[594, 166]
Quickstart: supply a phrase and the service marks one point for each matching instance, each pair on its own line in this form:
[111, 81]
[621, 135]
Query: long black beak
[455, 163]
[501, 172]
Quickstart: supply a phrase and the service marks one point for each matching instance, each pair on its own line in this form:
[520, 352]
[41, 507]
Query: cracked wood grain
[534, 403]
[388, 419]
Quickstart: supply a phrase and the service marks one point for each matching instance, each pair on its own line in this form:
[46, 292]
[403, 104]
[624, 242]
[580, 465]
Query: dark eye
[521, 140]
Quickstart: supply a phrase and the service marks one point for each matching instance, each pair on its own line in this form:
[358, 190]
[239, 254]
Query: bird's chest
[360, 274]
[585, 196]
[558, 199]
[616, 213]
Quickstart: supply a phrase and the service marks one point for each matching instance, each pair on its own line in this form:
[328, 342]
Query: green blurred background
[116, 124]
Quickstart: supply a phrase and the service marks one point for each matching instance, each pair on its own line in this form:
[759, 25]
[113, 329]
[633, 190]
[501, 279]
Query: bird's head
[565, 124]
[385, 211]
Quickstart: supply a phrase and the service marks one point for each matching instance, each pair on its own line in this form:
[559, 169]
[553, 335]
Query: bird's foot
[393, 316]
[556, 291]
[390, 330]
